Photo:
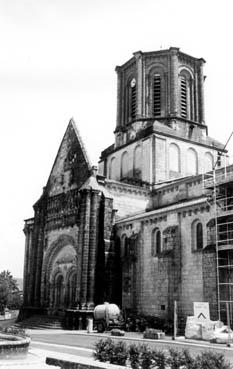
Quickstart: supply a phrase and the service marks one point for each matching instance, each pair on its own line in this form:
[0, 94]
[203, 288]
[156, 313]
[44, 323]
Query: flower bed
[144, 357]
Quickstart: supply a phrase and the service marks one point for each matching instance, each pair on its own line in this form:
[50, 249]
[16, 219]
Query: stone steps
[40, 322]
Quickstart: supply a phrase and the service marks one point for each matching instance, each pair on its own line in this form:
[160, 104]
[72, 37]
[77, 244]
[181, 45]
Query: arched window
[191, 164]
[197, 235]
[183, 97]
[124, 165]
[137, 170]
[186, 95]
[156, 105]
[174, 159]
[112, 168]
[156, 242]
[132, 99]
[208, 162]
[157, 95]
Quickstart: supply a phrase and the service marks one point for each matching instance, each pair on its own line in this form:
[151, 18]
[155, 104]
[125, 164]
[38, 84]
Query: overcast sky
[57, 61]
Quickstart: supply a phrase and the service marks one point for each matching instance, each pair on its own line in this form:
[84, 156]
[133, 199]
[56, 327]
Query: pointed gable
[72, 166]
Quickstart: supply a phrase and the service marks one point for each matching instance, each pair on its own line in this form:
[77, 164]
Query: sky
[57, 61]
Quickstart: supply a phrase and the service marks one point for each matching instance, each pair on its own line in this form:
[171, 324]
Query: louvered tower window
[133, 98]
[157, 95]
[183, 97]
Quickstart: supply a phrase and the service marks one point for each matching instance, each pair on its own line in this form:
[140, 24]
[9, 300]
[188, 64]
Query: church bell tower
[165, 85]
[160, 132]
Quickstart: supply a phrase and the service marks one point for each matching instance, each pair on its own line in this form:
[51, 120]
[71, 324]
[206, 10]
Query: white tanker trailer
[107, 316]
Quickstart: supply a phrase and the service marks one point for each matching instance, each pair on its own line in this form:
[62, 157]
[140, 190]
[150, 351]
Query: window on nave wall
[156, 242]
[197, 235]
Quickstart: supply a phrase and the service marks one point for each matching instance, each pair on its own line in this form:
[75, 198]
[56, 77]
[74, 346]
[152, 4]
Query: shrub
[176, 359]
[143, 357]
[146, 357]
[190, 362]
[160, 359]
[104, 350]
[212, 360]
[120, 354]
[134, 356]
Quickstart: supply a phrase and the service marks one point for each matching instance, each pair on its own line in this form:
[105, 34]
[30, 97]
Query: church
[140, 230]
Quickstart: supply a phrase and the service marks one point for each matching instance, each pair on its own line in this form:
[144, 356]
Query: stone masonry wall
[177, 274]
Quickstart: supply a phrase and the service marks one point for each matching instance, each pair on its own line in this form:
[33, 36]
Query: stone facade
[138, 232]
[64, 240]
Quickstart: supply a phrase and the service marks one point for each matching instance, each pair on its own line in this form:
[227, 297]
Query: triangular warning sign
[201, 316]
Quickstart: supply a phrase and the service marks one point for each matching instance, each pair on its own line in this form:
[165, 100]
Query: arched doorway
[60, 268]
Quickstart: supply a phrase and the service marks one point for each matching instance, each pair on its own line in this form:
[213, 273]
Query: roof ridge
[79, 137]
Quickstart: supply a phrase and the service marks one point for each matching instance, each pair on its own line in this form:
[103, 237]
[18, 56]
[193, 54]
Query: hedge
[144, 357]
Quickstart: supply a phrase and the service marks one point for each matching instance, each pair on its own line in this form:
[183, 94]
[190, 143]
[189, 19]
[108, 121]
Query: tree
[8, 288]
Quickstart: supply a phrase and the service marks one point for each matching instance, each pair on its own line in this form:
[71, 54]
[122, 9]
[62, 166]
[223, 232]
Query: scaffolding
[218, 186]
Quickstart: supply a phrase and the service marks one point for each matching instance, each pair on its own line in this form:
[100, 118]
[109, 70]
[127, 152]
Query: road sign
[201, 310]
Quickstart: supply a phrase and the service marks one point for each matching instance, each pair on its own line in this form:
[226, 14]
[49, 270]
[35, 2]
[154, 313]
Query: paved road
[82, 344]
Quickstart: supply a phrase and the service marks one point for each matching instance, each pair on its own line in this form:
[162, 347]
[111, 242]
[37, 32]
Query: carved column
[201, 92]
[25, 269]
[85, 219]
[196, 109]
[28, 229]
[93, 244]
[119, 97]
[139, 68]
[108, 249]
[39, 256]
[32, 265]
[51, 294]
[174, 90]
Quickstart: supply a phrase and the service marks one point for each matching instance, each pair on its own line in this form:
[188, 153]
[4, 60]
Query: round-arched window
[112, 168]
[174, 158]
[191, 165]
[156, 242]
[124, 165]
[197, 235]
[186, 94]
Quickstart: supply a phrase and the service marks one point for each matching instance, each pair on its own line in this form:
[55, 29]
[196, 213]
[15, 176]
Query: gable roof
[72, 166]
